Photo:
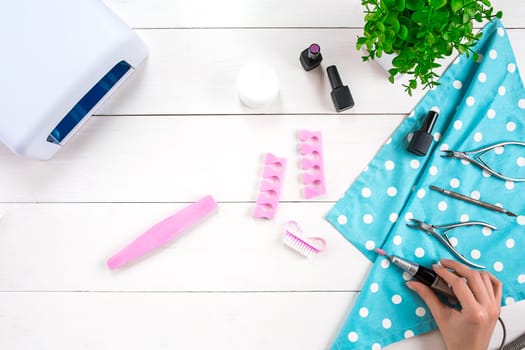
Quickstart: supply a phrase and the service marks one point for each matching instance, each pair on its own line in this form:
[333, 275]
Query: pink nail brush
[163, 232]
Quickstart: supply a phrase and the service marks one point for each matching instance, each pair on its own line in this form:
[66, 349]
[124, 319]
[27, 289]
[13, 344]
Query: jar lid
[258, 84]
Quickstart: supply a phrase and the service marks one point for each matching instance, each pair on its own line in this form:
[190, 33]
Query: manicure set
[311, 165]
[419, 145]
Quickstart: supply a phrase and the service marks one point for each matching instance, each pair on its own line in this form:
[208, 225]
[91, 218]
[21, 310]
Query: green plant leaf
[420, 33]
[414, 5]
[438, 18]
[395, 26]
[431, 40]
[403, 32]
[437, 4]
[389, 36]
[398, 61]
[389, 3]
[420, 16]
[392, 17]
[456, 5]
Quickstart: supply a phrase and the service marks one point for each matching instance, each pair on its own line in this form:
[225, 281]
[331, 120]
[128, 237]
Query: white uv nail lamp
[59, 61]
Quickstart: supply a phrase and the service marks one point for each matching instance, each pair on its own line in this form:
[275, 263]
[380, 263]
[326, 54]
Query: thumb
[429, 297]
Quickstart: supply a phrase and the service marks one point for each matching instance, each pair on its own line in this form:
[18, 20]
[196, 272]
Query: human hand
[479, 294]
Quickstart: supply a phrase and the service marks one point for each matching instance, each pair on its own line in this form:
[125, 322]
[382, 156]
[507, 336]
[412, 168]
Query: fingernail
[410, 286]
[437, 266]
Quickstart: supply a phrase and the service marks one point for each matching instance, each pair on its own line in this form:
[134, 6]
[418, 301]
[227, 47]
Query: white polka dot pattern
[414, 164]
[353, 337]
[375, 210]
[397, 299]
[385, 264]
[391, 191]
[419, 252]
[398, 240]
[393, 217]
[482, 77]
[386, 323]
[368, 218]
[366, 192]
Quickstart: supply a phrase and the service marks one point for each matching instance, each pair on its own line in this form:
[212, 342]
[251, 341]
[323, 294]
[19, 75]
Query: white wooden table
[174, 133]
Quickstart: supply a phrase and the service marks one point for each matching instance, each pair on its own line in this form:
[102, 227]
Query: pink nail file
[270, 189]
[311, 151]
[163, 232]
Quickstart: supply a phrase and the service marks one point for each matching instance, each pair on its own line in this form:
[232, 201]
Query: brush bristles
[299, 245]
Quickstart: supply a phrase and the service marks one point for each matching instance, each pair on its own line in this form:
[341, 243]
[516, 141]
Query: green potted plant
[417, 33]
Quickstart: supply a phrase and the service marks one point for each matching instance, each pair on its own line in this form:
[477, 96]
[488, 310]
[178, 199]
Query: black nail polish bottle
[422, 139]
[341, 96]
[311, 57]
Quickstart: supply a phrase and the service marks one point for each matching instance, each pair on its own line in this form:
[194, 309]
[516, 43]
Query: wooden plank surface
[196, 71]
[177, 159]
[267, 13]
[173, 133]
[230, 251]
[137, 321]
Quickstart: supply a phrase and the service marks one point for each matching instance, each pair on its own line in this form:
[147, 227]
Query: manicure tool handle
[444, 240]
[424, 275]
[431, 279]
[470, 200]
[163, 232]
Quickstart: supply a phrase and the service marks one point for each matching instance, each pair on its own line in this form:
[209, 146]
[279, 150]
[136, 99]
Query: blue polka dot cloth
[480, 103]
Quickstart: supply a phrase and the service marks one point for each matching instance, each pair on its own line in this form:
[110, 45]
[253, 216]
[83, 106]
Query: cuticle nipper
[443, 237]
[474, 157]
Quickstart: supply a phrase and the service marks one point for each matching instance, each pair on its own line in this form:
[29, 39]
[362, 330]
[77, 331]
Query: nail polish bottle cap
[313, 51]
[258, 84]
[422, 139]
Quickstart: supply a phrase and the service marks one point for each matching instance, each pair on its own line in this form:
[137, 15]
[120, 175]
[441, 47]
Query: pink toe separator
[270, 189]
[311, 152]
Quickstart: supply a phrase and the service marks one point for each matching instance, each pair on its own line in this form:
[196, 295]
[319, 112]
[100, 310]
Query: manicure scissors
[443, 237]
[474, 157]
